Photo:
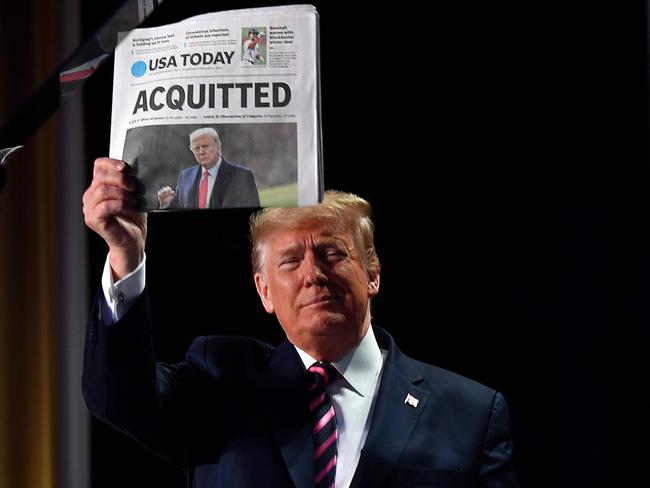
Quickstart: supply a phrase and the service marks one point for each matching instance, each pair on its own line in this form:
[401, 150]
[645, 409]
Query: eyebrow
[290, 249]
[321, 243]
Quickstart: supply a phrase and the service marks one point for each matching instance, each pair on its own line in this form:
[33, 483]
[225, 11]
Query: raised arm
[110, 209]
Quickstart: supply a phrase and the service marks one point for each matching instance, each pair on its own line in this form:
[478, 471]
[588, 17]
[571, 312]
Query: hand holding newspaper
[222, 110]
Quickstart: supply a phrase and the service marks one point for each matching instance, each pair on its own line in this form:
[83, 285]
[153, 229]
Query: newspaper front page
[221, 110]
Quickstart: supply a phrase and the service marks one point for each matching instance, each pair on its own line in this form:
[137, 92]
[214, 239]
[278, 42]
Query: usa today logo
[138, 69]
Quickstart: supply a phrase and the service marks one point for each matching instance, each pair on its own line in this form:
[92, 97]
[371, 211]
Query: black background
[504, 148]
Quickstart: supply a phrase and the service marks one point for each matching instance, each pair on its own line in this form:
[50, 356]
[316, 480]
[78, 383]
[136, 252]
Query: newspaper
[235, 93]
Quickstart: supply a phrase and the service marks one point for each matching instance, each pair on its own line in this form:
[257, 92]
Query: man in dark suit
[213, 182]
[337, 404]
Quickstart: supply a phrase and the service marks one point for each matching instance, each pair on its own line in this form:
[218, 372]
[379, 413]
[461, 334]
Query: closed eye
[289, 262]
[335, 255]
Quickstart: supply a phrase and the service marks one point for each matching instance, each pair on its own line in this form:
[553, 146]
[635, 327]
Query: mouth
[321, 300]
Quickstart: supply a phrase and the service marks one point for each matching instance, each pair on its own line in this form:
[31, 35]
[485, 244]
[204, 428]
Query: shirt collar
[359, 366]
[214, 170]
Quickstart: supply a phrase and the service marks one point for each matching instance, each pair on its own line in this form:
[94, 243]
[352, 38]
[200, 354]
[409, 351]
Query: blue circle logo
[138, 69]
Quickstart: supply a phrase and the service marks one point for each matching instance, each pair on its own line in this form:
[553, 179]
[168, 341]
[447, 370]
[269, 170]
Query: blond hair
[345, 210]
[205, 131]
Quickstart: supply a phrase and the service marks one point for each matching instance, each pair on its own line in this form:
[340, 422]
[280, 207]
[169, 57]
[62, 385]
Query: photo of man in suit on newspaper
[213, 182]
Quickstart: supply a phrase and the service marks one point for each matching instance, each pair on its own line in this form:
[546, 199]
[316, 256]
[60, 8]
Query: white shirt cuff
[121, 294]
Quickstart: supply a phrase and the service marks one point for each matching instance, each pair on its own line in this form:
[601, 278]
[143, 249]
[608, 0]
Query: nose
[313, 271]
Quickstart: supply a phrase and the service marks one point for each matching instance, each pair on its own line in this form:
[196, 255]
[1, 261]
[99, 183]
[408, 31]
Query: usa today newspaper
[228, 97]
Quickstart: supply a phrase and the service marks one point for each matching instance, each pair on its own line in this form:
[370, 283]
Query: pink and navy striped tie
[324, 429]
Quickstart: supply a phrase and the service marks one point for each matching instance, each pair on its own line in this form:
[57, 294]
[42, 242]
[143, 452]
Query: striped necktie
[324, 431]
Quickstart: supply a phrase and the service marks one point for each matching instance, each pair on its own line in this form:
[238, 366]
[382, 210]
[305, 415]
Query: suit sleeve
[496, 469]
[251, 196]
[156, 404]
[175, 202]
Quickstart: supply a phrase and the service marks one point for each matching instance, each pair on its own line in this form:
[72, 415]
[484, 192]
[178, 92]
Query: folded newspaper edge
[222, 110]
[6, 153]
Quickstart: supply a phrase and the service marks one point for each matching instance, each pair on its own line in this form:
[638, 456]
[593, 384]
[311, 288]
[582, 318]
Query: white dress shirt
[120, 294]
[353, 395]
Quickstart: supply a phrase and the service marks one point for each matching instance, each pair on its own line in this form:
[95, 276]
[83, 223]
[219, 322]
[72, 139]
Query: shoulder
[453, 387]
[234, 168]
[441, 383]
[190, 171]
[229, 356]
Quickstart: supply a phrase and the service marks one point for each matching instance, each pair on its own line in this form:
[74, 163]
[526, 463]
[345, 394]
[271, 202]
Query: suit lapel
[284, 390]
[193, 191]
[220, 185]
[393, 418]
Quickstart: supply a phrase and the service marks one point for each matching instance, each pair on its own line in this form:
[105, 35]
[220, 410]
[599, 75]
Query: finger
[115, 208]
[107, 192]
[109, 164]
[107, 209]
[115, 178]
[100, 217]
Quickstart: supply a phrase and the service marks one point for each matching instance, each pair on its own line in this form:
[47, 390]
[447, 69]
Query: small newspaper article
[221, 110]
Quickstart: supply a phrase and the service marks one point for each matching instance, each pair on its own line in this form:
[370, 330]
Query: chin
[327, 323]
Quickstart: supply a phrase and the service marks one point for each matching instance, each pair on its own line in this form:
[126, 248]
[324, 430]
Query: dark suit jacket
[235, 413]
[234, 187]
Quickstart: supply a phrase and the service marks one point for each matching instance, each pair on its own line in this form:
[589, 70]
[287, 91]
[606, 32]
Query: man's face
[206, 151]
[314, 280]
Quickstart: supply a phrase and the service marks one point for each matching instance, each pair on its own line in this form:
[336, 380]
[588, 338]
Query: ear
[264, 292]
[373, 284]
